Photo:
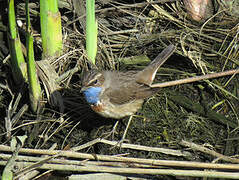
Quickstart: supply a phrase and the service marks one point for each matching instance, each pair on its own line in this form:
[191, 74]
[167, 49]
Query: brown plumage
[122, 93]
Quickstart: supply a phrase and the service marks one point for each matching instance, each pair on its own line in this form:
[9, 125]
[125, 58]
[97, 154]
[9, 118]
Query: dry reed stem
[153, 162]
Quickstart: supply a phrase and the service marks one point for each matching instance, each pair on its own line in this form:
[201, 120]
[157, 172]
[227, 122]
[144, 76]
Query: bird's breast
[109, 110]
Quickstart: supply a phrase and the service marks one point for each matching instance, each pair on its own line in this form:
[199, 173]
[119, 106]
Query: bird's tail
[147, 75]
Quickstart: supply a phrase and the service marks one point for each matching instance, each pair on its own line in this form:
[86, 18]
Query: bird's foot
[112, 132]
[123, 139]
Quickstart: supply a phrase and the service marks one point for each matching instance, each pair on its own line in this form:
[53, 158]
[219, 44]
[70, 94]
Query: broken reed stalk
[196, 78]
[154, 162]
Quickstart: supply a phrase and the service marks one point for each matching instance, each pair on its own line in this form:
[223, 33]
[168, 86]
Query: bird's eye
[95, 82]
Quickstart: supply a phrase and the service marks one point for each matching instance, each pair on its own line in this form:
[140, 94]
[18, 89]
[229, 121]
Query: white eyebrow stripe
[95, 77]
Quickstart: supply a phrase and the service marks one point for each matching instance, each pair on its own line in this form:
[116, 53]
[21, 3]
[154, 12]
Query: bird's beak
[83, 89]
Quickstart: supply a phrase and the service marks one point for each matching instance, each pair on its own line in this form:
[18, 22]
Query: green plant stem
[34, 86]
[35, 89]
[91, 31]
[50, 28]
[17, 59]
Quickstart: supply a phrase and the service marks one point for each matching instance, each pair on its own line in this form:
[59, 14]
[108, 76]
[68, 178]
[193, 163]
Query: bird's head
[92, 83]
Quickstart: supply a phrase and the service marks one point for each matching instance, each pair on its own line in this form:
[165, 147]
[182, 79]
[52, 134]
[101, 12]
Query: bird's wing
[122, 88]
[128, 93]
[121, 95]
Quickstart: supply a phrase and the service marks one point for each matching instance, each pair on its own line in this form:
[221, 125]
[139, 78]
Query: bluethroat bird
[115, 94]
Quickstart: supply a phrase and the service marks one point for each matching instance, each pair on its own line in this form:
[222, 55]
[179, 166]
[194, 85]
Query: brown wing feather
[124, 89]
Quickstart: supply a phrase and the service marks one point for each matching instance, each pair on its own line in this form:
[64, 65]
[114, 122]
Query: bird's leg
[119, 143]
[112, 132]
[126, 130]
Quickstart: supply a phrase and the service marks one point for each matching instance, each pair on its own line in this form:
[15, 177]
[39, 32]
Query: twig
[172, 172]
[133, 146]
[154, 162]
[123, 6]
[196, 78]
[29, 172]
[22, 158]
[208, 151]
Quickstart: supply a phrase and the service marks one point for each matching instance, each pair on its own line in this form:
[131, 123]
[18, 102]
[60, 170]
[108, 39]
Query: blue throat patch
[92, 94]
